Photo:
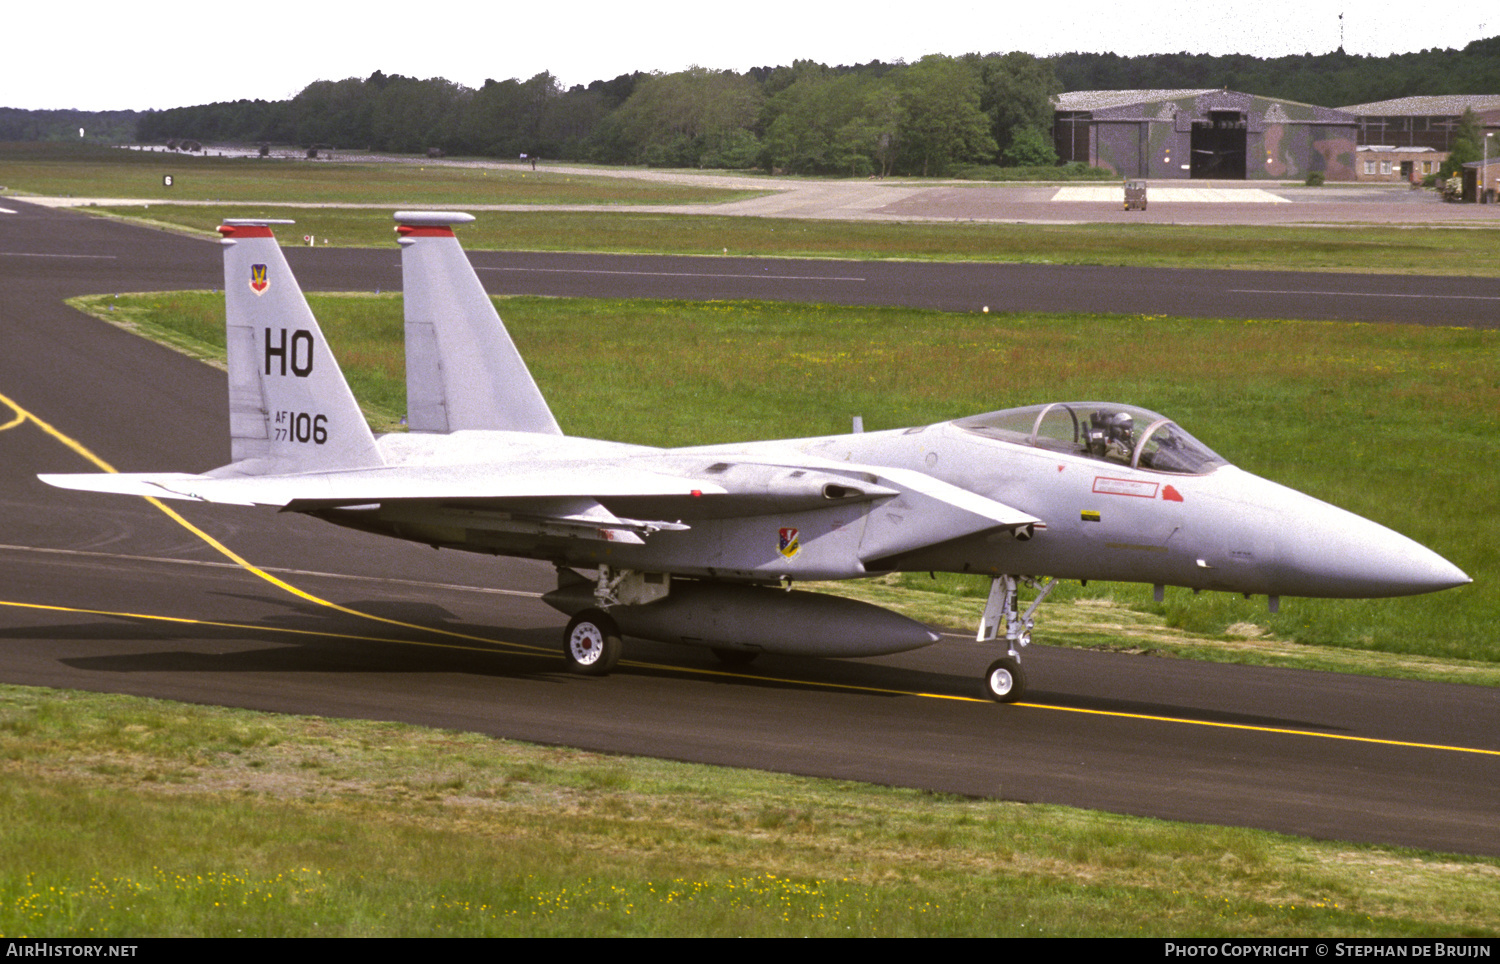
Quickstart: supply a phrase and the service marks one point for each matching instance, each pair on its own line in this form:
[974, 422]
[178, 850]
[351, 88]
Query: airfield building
[1210, 133]
[1389, 163]
[1408, 138]
[1422, 121]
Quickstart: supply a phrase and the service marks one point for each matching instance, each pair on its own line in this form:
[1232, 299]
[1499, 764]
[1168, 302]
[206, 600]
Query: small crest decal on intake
[788, 543]
[258, 282]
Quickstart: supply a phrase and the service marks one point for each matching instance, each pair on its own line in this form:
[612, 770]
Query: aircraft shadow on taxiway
[321, 646]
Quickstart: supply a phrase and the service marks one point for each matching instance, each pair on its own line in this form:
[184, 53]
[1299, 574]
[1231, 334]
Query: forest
[929, 117]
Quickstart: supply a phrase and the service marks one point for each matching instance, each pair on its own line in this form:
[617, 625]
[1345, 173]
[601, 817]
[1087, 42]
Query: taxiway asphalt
[94, 587]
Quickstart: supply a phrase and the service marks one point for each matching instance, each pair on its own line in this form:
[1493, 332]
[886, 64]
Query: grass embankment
[73, 171]
[351, 828]
[1372, 250]
[1393, 422]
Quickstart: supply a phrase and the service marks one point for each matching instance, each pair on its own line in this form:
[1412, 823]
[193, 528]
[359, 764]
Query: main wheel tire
[1005, 681]
[591, 643]
[734, 657]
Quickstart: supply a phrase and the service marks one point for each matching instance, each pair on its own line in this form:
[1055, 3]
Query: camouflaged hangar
[1220, 134]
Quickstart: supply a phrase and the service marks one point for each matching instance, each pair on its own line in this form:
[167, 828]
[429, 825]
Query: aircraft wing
[906, 509]
[146, 484]
[393, 484]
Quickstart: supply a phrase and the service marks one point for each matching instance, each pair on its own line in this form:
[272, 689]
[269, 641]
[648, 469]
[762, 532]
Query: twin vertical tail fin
[290, 409]
[462, 369]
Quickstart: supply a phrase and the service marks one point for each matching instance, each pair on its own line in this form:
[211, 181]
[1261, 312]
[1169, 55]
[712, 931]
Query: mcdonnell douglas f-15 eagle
[701, 545]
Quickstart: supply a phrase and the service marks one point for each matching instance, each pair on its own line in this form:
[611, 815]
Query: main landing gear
[591, 643]
[1005, 680]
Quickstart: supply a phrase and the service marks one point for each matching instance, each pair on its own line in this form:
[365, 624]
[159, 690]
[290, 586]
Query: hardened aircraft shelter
[1213, 133]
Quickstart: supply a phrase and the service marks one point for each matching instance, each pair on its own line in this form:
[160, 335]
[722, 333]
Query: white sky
[137, 56]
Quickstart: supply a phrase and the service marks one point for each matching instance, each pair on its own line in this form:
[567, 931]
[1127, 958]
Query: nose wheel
[1005, 680]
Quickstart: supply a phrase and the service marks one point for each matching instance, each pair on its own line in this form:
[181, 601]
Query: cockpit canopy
[1106, 431]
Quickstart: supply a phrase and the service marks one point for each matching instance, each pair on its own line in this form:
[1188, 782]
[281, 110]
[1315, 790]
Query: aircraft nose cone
[1306, 547]
[1338, 553]
[1389, 564]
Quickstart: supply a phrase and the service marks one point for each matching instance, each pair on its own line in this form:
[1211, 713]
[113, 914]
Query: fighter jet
[703, 545]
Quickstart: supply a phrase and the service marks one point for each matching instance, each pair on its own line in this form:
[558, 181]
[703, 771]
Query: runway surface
[111, 594]
[1470, 302]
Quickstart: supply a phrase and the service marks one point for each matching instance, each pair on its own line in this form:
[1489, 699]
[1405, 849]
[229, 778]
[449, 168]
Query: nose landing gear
[1005, 680]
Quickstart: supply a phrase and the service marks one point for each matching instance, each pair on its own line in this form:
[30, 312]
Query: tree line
[101, 126]
[806, 118]
[925, 117]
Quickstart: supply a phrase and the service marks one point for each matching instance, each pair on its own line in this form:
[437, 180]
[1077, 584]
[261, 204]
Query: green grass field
[352, 828]
[1391, 422]
[1377, 250]
[84, 171]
